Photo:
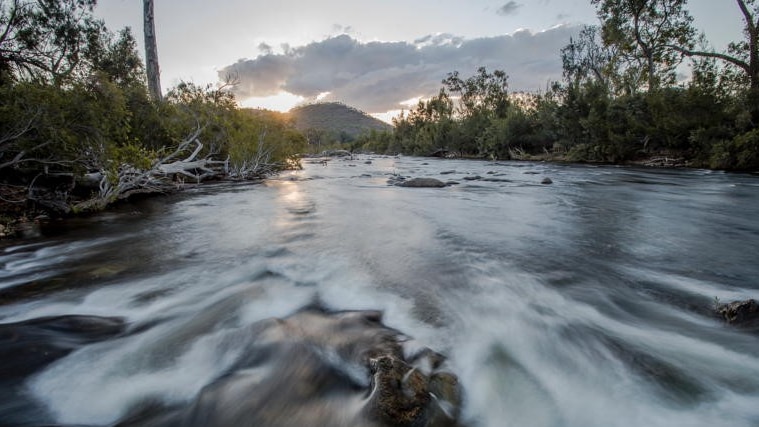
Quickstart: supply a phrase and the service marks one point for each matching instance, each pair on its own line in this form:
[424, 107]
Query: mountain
[339, 120]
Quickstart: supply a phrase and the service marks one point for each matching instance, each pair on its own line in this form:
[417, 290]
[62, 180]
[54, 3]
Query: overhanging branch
[705, 54]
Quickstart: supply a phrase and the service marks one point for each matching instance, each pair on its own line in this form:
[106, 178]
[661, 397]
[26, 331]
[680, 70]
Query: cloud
[265, 48]
[377, 76]
[509, 8]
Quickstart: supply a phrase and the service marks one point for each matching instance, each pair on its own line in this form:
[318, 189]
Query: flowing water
[587, 302]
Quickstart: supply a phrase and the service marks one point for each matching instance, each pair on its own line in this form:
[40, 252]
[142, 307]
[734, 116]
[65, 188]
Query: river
[586, 302]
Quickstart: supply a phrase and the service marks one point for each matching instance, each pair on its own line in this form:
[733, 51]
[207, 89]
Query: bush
[741, 153]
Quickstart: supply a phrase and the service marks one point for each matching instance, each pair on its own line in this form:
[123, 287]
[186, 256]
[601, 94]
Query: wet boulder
[445, 389]
[322, 368]
[744, 312]
[400, 393]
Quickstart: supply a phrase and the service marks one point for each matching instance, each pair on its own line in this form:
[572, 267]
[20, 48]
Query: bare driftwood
[188, 162]
[159, 178]
[257, 166]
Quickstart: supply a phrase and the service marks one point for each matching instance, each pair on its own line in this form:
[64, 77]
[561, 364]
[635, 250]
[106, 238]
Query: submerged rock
[28, 346]
[546, 181]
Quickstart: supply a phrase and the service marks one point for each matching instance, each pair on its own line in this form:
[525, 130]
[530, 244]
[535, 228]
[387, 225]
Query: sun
[282, 102]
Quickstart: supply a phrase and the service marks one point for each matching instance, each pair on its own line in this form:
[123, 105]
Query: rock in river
[740, 312]
[422, 183]
[321, 368]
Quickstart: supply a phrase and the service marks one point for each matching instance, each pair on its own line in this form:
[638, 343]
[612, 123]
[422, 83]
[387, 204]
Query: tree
[43, 40]
[586, 58]
[116, 58]
[744, 55]
[483, 92]
[63, 86]
[643, 30]
[482, 98]
[151, 51]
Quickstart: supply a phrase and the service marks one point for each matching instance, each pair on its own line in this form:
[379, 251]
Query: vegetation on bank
[78, 130]
[620, 99]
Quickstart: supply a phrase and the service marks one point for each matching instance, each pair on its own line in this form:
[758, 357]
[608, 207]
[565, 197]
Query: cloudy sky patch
[368, 54]
[379, 76]
[510, 8]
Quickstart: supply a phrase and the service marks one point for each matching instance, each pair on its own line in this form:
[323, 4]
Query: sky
[378, 56]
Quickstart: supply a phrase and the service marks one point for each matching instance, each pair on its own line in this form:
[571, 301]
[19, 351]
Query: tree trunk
[754, 75]
[752, 68]
[151, 52]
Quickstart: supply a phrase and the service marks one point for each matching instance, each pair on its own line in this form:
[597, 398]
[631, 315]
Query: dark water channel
[587, 302]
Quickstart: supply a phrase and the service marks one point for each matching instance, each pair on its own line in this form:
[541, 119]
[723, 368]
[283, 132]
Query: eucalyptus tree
[480, 99]
[44, 40]
[483, 93]
[585, 57]
[643, 32]
[743, 55]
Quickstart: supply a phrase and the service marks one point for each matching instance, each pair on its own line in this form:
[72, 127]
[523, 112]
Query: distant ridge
[335, 118]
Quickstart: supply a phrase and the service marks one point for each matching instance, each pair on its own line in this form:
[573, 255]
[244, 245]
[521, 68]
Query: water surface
[587, 302]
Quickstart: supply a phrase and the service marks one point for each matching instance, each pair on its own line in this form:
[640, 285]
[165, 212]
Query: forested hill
[336, 119]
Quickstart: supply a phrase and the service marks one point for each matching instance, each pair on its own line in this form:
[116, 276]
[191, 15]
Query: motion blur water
[583, 303]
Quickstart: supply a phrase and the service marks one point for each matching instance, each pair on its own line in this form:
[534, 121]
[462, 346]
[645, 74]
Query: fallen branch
[163, 175]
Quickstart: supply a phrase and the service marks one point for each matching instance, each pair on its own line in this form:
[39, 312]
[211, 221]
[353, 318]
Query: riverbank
[14, 211]
[24, 218]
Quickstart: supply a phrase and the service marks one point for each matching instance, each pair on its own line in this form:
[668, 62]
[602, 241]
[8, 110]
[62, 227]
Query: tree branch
[727, 58]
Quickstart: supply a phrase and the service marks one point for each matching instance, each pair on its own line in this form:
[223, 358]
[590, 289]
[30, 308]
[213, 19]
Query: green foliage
[265, 138]
[471, 125]
[587, 59]
[643, 31]
[244, 136]
[116, 57]
[482, 94]
[48, 126]
[741, 153]
[46, 40]
[377, 142]
[90, 114]
[618, 101]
